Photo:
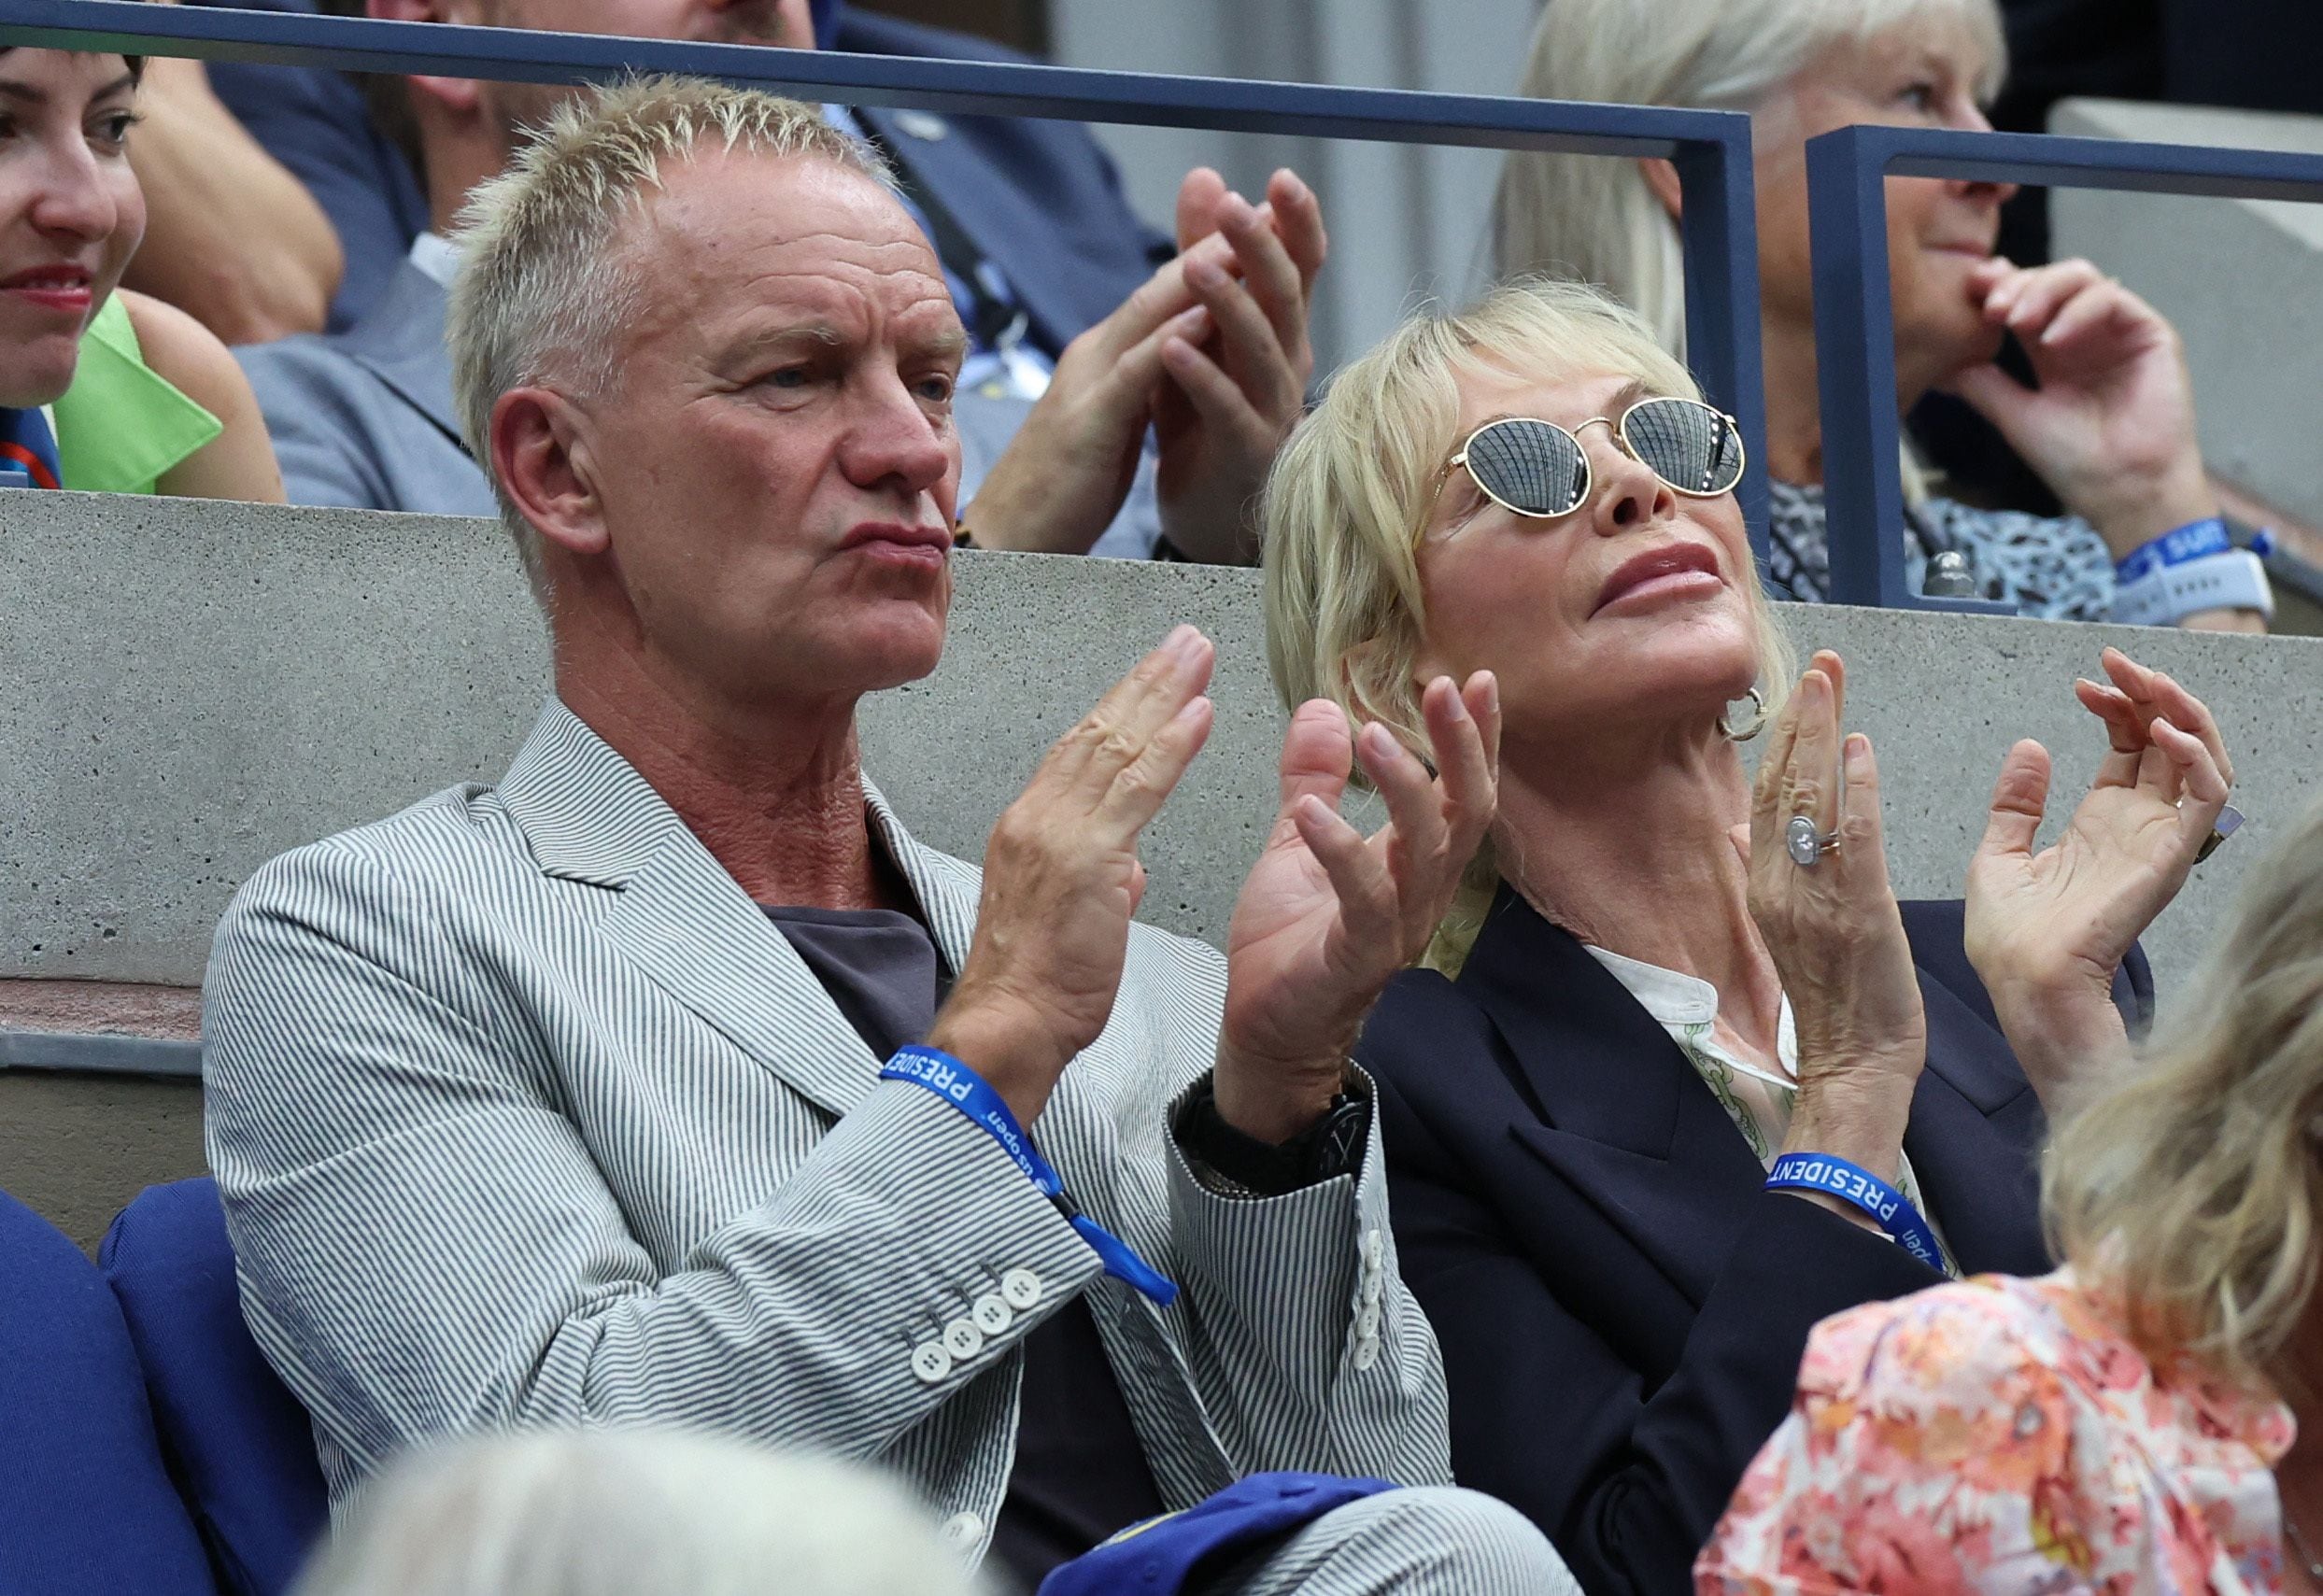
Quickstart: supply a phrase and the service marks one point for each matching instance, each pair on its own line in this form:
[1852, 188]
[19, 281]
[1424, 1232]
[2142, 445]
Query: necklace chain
[2298, 1547]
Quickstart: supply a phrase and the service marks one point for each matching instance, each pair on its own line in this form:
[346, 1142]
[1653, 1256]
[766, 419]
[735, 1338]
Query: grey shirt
[1080, 1472]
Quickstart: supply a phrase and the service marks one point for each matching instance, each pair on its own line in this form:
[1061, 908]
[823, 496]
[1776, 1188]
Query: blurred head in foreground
[615, 1513]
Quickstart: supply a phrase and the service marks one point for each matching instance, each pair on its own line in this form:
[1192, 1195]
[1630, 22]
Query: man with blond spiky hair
[563, 1101]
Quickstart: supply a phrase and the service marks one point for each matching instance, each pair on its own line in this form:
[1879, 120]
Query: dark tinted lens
[1529, 466]
[1691, 447]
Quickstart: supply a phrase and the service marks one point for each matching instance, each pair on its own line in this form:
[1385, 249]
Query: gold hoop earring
[1758, 720]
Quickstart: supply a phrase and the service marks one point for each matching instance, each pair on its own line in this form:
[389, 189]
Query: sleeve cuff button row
[1371, 1288]
[932, 1361]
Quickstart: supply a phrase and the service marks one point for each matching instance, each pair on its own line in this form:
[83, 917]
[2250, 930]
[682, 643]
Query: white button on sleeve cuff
[930, 1363]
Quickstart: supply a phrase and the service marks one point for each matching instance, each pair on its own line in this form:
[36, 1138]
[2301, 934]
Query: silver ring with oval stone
[1806, 845]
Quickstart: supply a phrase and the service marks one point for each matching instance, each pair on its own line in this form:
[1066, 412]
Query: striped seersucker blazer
[525, 1114]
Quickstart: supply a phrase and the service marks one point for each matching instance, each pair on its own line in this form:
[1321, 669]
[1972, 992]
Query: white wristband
[2236, 580]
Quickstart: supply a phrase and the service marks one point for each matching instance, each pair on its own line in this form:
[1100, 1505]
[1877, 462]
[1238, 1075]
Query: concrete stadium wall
[190, 688]
[2243, 281]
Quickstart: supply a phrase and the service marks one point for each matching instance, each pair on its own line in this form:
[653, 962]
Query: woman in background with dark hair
[101, 388]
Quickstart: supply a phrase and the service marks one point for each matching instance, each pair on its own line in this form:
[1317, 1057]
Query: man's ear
[542, 457]
[453, 94]
[1662, 180]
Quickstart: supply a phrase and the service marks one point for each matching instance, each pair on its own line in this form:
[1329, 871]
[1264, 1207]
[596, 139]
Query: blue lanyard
[939, 1072]
[1853, 1183]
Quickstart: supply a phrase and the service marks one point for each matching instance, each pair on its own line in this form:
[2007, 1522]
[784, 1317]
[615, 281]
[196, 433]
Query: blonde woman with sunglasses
[1662, 986]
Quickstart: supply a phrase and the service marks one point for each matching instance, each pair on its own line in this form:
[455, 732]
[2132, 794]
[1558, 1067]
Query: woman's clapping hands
[1833, 930]
[2046, 930]
[1329, 916]
[1325, 918]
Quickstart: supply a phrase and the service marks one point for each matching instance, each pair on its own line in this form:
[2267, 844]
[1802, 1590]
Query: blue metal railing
[1854, 321]
[81, 1055]
[1711, 149]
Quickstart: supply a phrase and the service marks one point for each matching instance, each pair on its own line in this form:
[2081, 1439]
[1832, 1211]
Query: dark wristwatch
[1331, 1147]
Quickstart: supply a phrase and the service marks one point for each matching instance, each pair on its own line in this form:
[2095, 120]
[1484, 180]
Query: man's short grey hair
[544, 287]
[613, 1513]
[1592, 217]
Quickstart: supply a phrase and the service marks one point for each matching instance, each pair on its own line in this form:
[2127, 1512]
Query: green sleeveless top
[122, 424]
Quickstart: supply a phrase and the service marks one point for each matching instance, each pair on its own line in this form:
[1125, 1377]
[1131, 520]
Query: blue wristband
[2193, 541]
[939, 1072]
[1853, 1183]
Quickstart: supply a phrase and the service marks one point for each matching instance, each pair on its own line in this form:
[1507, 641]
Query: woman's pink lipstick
[67, 290]
[1675, 568]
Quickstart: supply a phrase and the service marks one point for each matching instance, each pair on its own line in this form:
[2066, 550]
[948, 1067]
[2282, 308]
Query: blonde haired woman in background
[2111, 428]
[1628, 1024]
[2126, 1423]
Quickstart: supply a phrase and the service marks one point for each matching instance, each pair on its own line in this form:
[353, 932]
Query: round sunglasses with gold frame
[1538, 469]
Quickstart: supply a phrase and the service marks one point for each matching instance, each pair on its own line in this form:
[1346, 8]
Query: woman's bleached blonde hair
[545, 282]
[2195, 1191]
[1350, 496]
[1592, 217]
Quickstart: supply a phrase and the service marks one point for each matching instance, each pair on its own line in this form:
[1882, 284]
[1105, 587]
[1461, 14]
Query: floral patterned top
[2003, 1437]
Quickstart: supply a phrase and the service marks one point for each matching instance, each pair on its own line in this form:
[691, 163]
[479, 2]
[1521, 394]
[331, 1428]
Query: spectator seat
[241, 1444]
[86, 1504]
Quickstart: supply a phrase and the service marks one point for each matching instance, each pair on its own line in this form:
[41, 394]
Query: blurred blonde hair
[1349, 499]
[544, 287]
[613, 1513]
[2196, 1190]
[1592, 216]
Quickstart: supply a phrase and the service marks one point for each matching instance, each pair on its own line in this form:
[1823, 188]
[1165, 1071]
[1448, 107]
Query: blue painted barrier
[1854, 321]
[1711, 149]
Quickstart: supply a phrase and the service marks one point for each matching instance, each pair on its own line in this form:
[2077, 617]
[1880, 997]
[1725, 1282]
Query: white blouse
[1757, 1100]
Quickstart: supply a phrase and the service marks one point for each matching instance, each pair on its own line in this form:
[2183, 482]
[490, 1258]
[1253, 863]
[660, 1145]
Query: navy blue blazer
[1622, 1305]
[1040, 198]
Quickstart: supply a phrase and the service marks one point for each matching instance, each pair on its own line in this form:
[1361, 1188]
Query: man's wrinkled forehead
[727, 233]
